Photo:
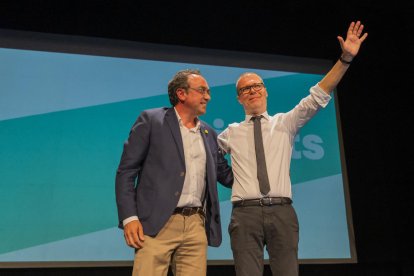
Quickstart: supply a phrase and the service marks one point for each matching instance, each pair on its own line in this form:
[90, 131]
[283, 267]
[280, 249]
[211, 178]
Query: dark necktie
[260, 156]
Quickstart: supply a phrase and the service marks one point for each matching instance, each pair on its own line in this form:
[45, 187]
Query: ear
[238, 99]
[181, 94]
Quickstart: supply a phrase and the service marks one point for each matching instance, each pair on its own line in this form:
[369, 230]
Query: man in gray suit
[166, 181]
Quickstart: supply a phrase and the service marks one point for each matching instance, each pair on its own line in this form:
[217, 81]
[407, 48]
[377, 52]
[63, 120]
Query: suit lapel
[172, 122]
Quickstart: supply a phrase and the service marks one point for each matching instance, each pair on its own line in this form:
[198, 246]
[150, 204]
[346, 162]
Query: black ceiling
[300, 28]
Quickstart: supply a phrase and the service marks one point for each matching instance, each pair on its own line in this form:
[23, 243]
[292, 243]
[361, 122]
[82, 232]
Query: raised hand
[351, 45]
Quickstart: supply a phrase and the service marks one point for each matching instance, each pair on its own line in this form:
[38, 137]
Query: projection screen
[66, 107]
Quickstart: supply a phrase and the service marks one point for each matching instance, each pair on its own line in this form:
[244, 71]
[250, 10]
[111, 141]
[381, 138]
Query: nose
[207, 96]
[252, 92]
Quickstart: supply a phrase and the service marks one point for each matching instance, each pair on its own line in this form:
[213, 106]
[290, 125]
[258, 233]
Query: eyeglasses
[247, 89]
[202, 90]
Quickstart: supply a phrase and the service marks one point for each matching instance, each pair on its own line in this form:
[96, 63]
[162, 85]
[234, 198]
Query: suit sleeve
[134, 153]
[224, 171]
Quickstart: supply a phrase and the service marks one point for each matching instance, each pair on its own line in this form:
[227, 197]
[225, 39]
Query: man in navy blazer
[166, 181]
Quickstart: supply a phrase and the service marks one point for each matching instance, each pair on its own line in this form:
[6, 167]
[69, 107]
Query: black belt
[265, 201]
[189, 211]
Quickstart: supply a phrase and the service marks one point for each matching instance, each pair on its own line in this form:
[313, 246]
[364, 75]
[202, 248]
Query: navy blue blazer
[151, 173]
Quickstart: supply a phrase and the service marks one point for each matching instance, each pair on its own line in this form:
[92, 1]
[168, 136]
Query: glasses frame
[202, 90]
[256, 87]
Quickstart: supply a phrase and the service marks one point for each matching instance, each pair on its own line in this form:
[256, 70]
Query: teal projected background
[64, 119]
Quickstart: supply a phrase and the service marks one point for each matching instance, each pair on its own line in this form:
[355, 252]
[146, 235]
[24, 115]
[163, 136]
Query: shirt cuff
[320, 96]
[128, 220]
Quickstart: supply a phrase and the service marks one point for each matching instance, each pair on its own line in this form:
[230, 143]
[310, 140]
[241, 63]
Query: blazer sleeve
[224, 171]
[134, 153]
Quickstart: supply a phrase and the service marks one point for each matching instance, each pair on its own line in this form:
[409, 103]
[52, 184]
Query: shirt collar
[180, 121]
[264, 114]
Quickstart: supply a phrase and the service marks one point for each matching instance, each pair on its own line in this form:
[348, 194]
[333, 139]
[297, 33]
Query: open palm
[351, 45]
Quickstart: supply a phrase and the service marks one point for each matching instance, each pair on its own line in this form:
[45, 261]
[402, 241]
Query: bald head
[246, 75]
[252, 93]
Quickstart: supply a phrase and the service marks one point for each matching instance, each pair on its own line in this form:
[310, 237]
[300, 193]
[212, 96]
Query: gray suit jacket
[151, 173]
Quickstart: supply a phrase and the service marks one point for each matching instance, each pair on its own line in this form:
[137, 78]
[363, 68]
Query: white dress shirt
[195, 163]
[278, 133]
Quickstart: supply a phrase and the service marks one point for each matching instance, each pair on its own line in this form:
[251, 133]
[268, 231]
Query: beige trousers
[181, 243]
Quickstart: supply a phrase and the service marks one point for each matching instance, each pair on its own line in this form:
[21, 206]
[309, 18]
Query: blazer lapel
[172, 121]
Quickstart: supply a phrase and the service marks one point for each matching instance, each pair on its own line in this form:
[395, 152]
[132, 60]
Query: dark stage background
[374, 96]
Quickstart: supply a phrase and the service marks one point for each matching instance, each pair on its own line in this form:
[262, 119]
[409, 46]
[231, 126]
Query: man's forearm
[334, 76]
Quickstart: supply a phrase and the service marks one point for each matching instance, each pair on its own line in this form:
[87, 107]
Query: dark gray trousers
[276, 227]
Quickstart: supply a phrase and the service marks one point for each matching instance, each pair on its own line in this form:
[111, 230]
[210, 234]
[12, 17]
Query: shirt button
[177, 193]
[182, 173]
